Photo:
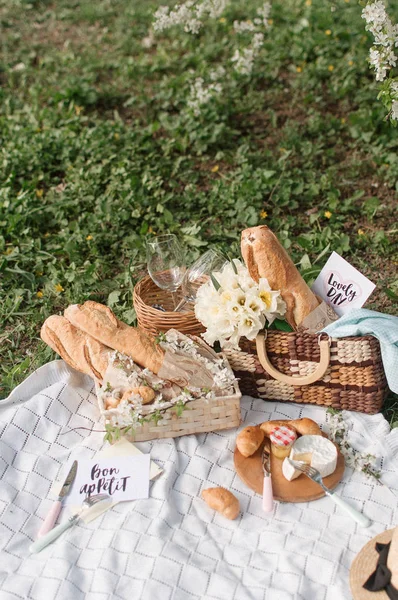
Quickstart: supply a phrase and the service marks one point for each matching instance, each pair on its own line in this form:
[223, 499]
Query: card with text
[342, 286]
[122, 477]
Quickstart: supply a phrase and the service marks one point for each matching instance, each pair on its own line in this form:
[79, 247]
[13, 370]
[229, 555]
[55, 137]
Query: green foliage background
[98, 149]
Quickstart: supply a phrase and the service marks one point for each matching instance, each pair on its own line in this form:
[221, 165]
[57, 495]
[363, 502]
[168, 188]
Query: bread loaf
[265, 257]
[99, 321]
[179, 367]
[222, 501]
[302, 426]
[249, 440]
[79, 350]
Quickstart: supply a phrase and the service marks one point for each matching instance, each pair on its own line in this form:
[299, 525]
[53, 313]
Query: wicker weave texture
[146, 293]
[200, 416]
[355, 379]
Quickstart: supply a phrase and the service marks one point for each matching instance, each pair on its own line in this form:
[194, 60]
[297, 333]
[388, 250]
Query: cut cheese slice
[289, 470]
[315, 450]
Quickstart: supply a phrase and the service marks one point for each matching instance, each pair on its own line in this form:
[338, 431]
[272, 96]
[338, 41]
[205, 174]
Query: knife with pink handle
[268, 499]
[52, 515]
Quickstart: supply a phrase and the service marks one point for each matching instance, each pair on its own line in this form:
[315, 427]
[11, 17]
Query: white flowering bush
[382, 56]
[232, 305]
[245, 44]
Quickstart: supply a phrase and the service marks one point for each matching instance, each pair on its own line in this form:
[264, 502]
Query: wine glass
[199, 273]
[165, 261]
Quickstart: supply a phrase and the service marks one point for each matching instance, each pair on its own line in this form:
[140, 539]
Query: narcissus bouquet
[232, 305]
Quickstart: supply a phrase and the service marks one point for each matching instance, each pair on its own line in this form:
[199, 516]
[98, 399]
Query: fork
[316, 476]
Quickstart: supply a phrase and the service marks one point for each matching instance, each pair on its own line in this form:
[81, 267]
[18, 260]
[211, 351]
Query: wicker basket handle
[324, 345]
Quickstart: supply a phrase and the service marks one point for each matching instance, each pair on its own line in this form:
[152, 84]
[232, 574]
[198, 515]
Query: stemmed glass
[199, 273]
[165, 261]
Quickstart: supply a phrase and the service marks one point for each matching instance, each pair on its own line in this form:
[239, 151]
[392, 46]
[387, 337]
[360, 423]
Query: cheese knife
[51, 517]
[268, 499]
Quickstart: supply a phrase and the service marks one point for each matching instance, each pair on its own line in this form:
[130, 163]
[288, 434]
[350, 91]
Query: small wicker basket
[146, 294]
[200, 416]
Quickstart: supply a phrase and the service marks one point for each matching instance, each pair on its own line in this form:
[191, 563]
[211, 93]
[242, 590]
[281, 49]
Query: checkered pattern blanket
[172, 546]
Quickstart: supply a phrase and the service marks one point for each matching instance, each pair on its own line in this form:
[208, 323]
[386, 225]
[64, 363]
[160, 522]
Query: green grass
[98, 148]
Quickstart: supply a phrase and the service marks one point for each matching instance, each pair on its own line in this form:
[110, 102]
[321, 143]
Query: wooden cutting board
[302, 489]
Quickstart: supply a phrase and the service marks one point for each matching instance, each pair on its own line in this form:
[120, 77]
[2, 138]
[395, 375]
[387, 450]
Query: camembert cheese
[315, 450]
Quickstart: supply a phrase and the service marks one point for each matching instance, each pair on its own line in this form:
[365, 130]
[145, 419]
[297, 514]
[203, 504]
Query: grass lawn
[100, 146]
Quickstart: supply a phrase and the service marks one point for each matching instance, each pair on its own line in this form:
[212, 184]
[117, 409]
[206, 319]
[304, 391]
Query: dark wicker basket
[353, 377]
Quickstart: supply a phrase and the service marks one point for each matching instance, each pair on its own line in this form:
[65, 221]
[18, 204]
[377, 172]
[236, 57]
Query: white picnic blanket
[172, 546]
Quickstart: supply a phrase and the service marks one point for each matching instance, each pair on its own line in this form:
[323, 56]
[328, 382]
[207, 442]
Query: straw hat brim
[363, 566]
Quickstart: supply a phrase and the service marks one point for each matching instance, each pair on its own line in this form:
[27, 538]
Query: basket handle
[324, 345]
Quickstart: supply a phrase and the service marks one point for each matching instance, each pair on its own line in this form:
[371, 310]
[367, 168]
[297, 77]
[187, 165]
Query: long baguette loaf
[79, 350]
[100, 322]
[265, 257]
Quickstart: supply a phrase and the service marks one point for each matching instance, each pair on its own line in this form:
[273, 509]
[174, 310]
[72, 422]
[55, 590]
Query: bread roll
[222, 501]
[79, 350]
[306, 427]
[147, 394]
[302, 426]
[265, 257]
[249, 440]
[268, 426]
[99, 321]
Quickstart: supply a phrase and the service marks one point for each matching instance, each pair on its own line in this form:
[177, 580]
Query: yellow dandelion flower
[328, 32]
[89, 237]
[116, 136]
[361, 232]
[39, 193]
[222, 20]
[350, 62]
[263, 214]
[327, 214]
[46, 235]
[39, 294]
[215, 169]
[58, 288]
[342, 120]
[308, 2]
[78, 109]
[299, 69]
[150, 230]
[270, 21]
[330, 68]
[347, 1]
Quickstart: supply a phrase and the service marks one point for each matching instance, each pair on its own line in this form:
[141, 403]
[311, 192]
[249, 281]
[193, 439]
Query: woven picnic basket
[201, 416]
[344, 373]
[146, 295]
